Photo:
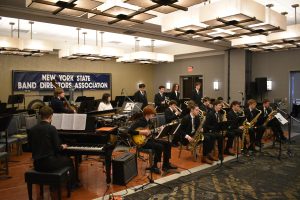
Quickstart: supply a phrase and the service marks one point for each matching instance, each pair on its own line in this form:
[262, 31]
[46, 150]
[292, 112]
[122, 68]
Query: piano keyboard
[84, 148]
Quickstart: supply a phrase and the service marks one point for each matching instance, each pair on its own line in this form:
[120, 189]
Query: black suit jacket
[234, 119]
[197, 97]
[157, 100]
[140, 123]
[170, 115]
[211, 123]
[250, 115]
[186, 125]
[138, 97]
[58, 106]
[175, 97]
[44, 141]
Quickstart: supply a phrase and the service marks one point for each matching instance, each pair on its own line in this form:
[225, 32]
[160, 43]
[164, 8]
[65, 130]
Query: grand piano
[89, 143]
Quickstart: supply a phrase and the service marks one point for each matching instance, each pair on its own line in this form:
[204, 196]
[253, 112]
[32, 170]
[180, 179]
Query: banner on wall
[41, 80]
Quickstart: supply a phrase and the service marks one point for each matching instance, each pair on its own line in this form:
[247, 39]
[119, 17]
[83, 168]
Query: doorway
[188, 84]
[294, 88]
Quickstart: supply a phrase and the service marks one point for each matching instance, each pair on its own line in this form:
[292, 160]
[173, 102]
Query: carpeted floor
[260, 177]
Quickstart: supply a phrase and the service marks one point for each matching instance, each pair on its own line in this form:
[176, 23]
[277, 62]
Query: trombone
[167, 100]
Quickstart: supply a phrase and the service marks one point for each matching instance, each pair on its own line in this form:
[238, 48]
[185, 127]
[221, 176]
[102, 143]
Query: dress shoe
[153, 169]
[229, 153]
[210, 157]
[206, 160]
[168, 166]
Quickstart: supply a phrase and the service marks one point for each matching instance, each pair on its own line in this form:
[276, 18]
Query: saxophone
[254, 120]
[270, 116]
[248, 125]
[224, 116]
[198, 137]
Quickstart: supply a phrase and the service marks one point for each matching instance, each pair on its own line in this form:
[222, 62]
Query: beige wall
[123, 75]
[211, 67]
[237, 74]
[276, 66]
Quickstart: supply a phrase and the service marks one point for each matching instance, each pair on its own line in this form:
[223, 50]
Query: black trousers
[231, 134]
[53, 163]
[256, 135]
[159, 147]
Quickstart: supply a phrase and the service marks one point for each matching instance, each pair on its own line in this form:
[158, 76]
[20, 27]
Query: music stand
[80, 99]
[16, 99]
[47, 98]
[223, 126]
[119, 101]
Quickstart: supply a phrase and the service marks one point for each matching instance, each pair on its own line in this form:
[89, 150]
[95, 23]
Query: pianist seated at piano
[105, 103]
[46, 147]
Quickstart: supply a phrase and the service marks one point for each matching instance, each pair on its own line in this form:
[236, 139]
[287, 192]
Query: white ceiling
[62, 34]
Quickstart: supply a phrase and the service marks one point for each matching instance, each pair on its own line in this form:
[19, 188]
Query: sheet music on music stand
[69, 121]
[281, 119]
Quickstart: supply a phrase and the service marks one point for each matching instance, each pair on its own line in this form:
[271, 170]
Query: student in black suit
[235, 125]
[257, 131]
[273, 122]
[175, 94]
[171, 114]
[46, 147]
[212, 128]
[141, 95]
[206, 105]
[159, 146]
[197, 94]
[57, 103]
[188, 127]
[160, 99]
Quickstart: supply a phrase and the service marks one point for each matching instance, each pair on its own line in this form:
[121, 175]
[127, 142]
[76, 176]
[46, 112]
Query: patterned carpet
[262, 177]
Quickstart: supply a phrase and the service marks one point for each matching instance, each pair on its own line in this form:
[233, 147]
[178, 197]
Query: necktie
[218, 118]
[193, 127]
[266, 112]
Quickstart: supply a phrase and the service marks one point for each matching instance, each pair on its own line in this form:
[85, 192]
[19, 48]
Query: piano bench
[53, 179]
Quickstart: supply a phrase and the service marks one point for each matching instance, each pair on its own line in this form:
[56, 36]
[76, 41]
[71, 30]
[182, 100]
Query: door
[188, 84]
[294, 88]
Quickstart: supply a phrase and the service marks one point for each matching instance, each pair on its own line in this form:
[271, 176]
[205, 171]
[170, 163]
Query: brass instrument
[254, 120]
[177, 108]
[186, 103]
[246, 126]
[224, 116]
[198, 137]
[270, 116]
[226, 105]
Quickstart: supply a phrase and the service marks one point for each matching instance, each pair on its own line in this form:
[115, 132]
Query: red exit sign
[190, 68]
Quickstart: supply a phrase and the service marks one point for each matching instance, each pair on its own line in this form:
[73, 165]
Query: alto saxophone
[198, 137]
[254, 120]
[224, 116]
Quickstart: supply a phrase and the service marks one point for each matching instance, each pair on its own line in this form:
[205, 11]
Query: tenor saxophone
[198, 137]
[248, 125]
[270, 116]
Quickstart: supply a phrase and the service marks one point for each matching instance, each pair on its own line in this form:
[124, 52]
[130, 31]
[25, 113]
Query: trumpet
[186, 103]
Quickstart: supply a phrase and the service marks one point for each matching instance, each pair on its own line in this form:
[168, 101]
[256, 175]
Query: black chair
[53, 179]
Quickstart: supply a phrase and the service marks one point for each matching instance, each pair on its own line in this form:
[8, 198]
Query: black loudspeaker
[261, 85]
[124, 168]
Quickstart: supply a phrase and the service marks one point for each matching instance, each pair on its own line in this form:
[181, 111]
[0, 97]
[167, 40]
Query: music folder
[69, 121]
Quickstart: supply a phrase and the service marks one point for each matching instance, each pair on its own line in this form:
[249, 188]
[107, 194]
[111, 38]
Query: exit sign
[190, 68]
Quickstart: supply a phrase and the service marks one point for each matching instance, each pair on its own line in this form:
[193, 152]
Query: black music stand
[16, 99]
[223, 126]
[47, 98]
[80, 99]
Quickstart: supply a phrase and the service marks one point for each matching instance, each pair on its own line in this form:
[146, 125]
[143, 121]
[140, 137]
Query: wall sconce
[269, 85]
[216, 85]
[168, 85]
